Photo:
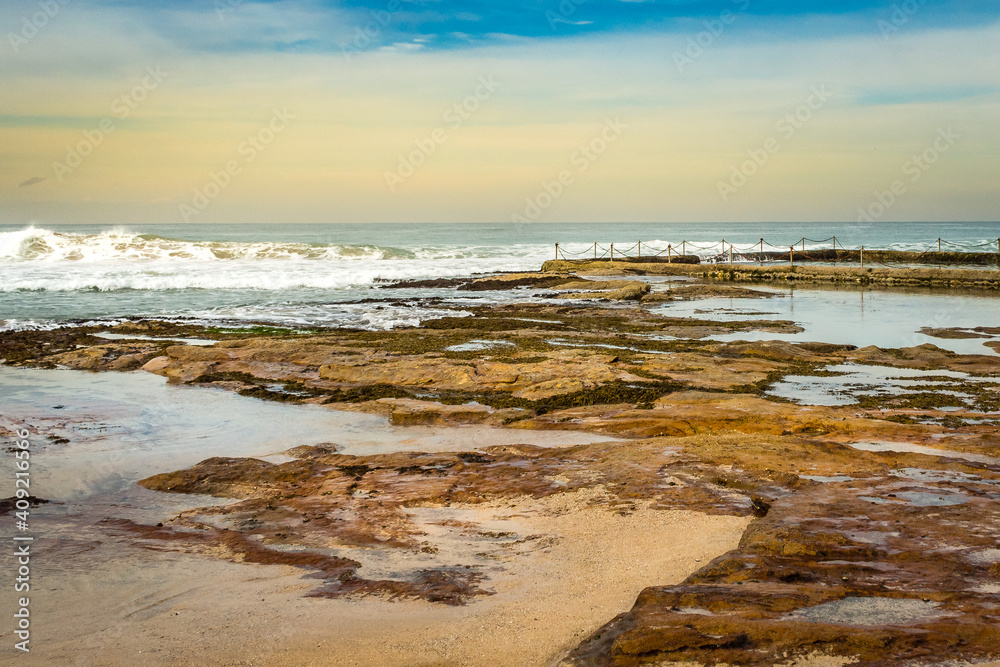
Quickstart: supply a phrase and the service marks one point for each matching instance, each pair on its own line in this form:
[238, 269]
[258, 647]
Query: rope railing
[764, 252]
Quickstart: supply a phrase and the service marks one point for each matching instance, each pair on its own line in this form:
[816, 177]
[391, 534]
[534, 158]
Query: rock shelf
[874, 555]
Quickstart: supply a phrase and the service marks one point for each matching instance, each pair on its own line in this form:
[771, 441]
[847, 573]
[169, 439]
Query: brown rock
[122, 356]
[410, 412]
[551, 388]
[628, 291]
[707, 291]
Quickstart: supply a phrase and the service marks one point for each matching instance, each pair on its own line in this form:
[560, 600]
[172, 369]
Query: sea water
[328, 275]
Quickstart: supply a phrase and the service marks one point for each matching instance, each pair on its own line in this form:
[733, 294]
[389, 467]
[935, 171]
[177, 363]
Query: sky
[221, 111]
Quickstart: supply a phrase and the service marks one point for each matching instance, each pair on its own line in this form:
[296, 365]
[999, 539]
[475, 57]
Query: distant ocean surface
[327, 275]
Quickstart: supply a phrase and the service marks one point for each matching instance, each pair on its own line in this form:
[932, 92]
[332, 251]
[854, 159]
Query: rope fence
[938, 252]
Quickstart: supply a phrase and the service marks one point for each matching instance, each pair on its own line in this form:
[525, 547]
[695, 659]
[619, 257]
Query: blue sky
[445, 24]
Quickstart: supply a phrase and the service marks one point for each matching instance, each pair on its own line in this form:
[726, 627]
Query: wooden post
[803, 244]
[939, 244]
[668, 253]
[723, 246]
[730, 253]
[791, 255]
[557, 252]
[640, 248]
[684, 247]
[998, 254]
[595, 249]
[862, 257]
[835, 251]
[612, 252]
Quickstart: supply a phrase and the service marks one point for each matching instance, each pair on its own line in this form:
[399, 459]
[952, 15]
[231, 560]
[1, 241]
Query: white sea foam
[41, 260]
[316, 278]
[369, 316]
[116, 245]
[118, 272]
[108, 249]
[205, 275]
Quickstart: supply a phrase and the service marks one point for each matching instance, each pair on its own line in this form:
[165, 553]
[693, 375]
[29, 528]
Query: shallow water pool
[886, 319]
[94, 433]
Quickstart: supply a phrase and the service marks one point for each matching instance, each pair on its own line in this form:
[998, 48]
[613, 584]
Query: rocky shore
[878, 275]
[873, 526]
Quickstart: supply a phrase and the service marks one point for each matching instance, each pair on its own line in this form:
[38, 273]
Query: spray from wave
[40, 260]
[42, 245]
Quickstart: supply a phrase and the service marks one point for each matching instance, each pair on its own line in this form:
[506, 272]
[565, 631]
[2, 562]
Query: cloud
[357, 115]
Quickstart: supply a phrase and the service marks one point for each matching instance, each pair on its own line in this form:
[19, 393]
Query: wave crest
[42, 245]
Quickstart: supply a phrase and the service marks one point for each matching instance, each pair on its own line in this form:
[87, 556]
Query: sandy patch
[106, 603]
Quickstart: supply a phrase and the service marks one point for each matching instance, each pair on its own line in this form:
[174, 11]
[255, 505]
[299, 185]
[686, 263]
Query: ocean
[333, 275]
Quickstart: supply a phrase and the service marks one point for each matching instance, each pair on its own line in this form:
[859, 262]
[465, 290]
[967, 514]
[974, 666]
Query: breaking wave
[41, 245]
[36, 260]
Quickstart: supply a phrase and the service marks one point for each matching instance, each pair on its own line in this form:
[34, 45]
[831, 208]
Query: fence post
[939, 244]
[557, 252]
[639, 245]
[595, 249]
[998, 254]
[862, 257]
[612, 252]
[668, 253]
[803, 244]
[835, 251]
[730, 253]
[684, 246]
[791, 255]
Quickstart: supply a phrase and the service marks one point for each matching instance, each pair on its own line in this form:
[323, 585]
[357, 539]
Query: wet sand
[104, 602]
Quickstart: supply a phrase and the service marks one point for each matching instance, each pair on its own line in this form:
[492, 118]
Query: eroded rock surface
[875, 525]
[707, 291]
[569, 286]
[885, 570]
